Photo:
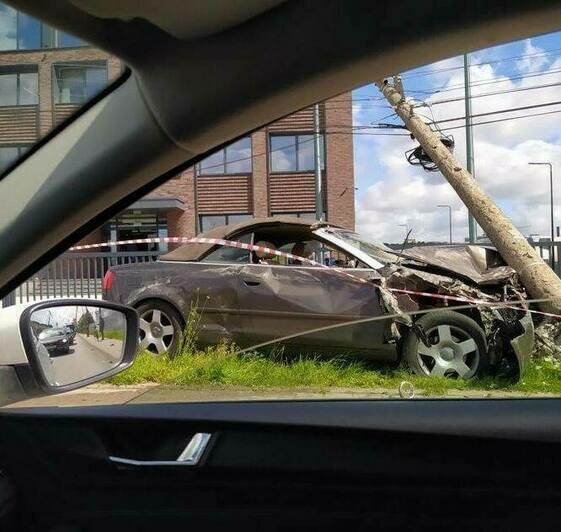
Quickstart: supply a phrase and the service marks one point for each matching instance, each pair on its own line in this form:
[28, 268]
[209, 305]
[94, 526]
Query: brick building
[45, 75]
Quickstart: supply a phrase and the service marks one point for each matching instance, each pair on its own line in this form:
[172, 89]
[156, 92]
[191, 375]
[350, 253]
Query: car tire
[458, 347]
[161, 328]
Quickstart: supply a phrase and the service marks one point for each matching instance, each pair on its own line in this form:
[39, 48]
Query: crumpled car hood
[482, 265]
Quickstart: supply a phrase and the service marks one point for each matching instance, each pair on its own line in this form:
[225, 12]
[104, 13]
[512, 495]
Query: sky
[393, 194]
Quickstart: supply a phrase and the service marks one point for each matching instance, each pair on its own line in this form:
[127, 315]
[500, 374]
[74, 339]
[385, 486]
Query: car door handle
[190, 456]
[251, 282]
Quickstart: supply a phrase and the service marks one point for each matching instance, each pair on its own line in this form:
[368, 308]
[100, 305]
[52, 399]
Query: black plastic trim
[515, 419]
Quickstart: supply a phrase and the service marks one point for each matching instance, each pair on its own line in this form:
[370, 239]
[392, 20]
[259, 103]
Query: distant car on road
[55, 340]
[250, 297]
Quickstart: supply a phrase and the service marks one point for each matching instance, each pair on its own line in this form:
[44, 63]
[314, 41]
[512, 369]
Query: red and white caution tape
[285, 254]
[163, 240]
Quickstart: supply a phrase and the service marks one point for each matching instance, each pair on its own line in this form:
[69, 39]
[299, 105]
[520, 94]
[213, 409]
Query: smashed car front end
[500, 308]
[516, 343]
[470, 279]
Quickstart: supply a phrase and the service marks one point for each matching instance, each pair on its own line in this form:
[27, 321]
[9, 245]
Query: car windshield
[377, 251]
[269, 268]
[49, 333]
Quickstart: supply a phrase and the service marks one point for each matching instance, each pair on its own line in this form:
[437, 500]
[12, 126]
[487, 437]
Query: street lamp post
[449, 207]
[550, 204]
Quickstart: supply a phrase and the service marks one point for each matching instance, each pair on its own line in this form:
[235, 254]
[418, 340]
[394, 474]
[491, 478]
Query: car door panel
[214, 301]
[278, 301]
[205, 292]
[301, 465]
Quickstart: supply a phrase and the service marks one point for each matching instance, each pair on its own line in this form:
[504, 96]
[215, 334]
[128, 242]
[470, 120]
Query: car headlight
[64, 340]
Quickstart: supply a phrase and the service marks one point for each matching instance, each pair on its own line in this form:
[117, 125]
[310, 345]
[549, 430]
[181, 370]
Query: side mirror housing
[55, 346]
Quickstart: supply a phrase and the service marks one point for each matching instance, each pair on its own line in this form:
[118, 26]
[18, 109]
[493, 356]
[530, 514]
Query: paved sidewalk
[107, 394]
[94, 395]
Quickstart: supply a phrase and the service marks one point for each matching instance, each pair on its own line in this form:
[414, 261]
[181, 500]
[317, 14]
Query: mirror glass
[77, 342]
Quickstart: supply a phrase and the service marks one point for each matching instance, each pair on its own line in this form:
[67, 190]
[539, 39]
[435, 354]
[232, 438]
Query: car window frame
[323, 234]
[350, 252]
[218, 246]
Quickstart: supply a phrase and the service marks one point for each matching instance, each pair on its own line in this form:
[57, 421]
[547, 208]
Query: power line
[463, 117]
[478, 115]
[494, 93]
[422, 73]
[500, 111]
[483, 82]
[498, 79]
[532, 115]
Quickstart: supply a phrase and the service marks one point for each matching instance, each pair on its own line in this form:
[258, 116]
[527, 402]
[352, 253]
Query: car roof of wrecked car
[194, 251]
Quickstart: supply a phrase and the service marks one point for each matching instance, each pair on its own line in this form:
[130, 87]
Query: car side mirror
[56, 346]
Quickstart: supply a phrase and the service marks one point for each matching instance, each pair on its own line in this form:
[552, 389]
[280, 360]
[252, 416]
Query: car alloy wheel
[453, 352]
[156, 331]
[451, 345]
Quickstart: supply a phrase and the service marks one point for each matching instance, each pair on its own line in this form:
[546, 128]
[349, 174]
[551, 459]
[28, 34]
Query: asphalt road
[87, 357]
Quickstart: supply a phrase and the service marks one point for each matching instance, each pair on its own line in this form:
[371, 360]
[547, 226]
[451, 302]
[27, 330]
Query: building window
[9, 154]
[299, 214]
[234, 159]
[294, 153]
[18, 88]
[210, 221]
[79, 82]
[19, 31]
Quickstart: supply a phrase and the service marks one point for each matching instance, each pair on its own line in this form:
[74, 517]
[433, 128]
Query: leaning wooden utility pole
[538, 278]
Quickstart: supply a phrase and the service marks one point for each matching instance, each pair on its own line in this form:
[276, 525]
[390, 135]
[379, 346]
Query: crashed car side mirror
[56, 346]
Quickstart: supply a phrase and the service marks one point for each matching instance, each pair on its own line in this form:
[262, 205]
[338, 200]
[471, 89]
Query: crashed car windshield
[377, 251]
[50, 333]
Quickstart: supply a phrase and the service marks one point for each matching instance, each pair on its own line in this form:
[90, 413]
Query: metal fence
[551, 254]
[81, 274]
[74, 275]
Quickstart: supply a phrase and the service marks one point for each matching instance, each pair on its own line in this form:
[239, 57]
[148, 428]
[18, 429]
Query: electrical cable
[421, 73]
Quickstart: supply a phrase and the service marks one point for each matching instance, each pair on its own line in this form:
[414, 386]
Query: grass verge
[221, 366]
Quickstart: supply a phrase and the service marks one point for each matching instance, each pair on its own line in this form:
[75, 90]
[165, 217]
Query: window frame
[200, 230]
[17, 71]
[239, 238]
[201, 173]
[101, 64]
[22, 148]
[294, 134]
[41, 37]
[299, 214]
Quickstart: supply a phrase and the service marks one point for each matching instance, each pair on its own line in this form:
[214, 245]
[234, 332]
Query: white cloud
[535, 61]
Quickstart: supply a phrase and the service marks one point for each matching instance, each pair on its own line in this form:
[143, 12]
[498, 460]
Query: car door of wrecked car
[277, 301]
[205, 291]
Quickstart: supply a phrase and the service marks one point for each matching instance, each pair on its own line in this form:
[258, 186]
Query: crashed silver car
[256, 296]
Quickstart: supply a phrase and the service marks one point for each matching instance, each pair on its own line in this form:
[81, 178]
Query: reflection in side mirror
[76, 342]
[73, 343]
